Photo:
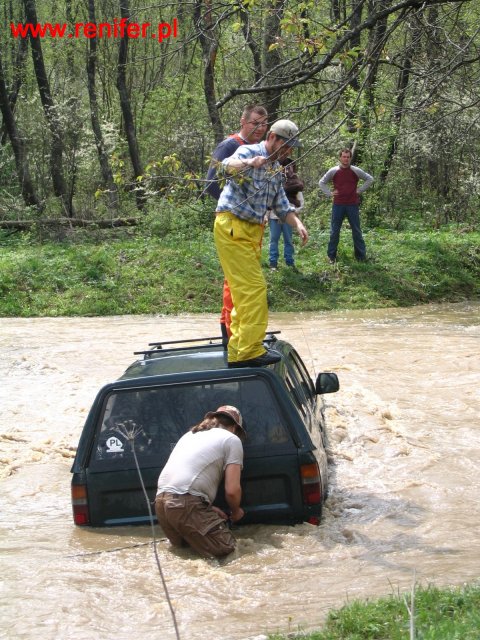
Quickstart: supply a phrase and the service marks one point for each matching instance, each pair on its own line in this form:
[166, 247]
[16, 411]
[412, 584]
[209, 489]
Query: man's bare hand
[237, 164]
[237, 514]
[294, 221]
[302, 232]
[257, 162]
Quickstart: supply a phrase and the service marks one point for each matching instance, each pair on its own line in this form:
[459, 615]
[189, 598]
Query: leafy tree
[136, 118]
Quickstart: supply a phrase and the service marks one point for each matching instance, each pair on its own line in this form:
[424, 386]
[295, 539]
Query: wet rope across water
[131, 436]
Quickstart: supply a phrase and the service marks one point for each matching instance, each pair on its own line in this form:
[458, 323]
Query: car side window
[265, 425]
[299, 382]
[302, 374]
[152, 420]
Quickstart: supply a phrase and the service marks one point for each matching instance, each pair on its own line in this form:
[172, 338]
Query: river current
[404, 450]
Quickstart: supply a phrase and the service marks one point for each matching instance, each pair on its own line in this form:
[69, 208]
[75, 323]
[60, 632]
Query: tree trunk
[367, 105]
[252, 44]
[209, 43]
[352, 114]
[400, 95]
[272, 57]
[21, 161]
[337, 11]
[128, 120]
[112, 191]
[16, 82]
[50, 109]
[55, 223]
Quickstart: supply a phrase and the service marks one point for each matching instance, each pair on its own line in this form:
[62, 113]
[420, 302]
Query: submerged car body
[135, 422]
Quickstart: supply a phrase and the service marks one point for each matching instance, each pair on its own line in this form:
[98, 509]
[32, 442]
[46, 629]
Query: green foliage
[171, 266]
[182, 220]
[440, 614]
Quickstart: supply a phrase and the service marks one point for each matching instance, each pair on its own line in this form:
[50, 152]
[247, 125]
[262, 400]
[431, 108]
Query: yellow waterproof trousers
[238, 244]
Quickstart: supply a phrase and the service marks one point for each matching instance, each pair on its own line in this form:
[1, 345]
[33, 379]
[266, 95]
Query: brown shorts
[190, 519]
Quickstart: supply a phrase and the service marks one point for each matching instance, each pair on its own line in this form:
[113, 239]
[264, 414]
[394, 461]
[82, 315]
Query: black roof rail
[150, 351]
[159, 346]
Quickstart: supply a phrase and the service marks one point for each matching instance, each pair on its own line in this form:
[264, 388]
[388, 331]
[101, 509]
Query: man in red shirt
[346, 200]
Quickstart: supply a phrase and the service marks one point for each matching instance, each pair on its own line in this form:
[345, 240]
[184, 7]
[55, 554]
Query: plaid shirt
[250, 192]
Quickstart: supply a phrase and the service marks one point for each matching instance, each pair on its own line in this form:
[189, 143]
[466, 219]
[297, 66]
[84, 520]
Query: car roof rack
[212, 341]
[160, 344]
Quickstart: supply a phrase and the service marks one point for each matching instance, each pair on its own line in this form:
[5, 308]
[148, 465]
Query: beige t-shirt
[197, 463]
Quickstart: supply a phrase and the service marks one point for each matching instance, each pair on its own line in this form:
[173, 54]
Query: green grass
[180, 272]
[439, 614]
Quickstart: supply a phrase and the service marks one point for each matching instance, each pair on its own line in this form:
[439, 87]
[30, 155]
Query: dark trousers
[352, 213]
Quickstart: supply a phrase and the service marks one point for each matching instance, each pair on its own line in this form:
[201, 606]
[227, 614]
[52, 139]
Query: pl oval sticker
[114, 445]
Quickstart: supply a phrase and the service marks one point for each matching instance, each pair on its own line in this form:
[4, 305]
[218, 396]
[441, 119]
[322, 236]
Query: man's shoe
[293, 268]
[269, 357]
[272, 266]
[332, 260]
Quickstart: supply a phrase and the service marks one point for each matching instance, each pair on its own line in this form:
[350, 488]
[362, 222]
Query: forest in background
[105, 129]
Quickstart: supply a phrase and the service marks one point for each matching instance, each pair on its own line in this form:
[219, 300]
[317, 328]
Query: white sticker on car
[114, 445]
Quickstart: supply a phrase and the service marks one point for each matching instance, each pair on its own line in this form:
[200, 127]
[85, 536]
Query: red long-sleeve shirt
[345, 183]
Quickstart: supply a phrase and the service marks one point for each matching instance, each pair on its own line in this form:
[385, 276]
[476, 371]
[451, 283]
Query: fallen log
[25, 225]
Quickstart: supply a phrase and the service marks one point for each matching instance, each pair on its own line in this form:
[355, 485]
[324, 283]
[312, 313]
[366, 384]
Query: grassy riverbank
[437, 614]
[143, 272]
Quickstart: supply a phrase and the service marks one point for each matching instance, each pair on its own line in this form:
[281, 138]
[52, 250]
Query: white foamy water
[404, 445]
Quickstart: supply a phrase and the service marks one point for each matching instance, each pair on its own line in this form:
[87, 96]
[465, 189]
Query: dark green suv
[135, 422]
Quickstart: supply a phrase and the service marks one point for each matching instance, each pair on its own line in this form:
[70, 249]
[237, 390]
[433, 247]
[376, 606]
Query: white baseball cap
[288, 130]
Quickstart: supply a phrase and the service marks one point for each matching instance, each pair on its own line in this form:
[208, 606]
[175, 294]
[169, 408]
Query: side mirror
[327, 383]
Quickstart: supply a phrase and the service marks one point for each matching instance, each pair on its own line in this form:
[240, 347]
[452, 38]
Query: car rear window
[154, 419]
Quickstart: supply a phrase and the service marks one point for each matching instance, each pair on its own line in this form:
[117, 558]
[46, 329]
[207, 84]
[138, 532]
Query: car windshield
[154, 419]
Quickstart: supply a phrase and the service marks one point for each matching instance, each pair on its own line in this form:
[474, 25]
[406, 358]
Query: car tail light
[80, 504]
[311, 483]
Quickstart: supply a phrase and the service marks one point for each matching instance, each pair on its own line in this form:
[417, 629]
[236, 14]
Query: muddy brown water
[404, 481]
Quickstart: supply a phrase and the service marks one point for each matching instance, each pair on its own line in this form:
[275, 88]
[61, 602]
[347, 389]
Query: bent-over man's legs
[191, 520]
[165, 505]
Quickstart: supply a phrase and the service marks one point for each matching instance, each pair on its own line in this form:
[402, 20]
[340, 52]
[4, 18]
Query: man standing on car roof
[253, 125]
[188, 484]
[255, 185]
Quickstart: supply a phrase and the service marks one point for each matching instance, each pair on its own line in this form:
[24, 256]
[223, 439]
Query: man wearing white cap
[188, 484]
[255, 185]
